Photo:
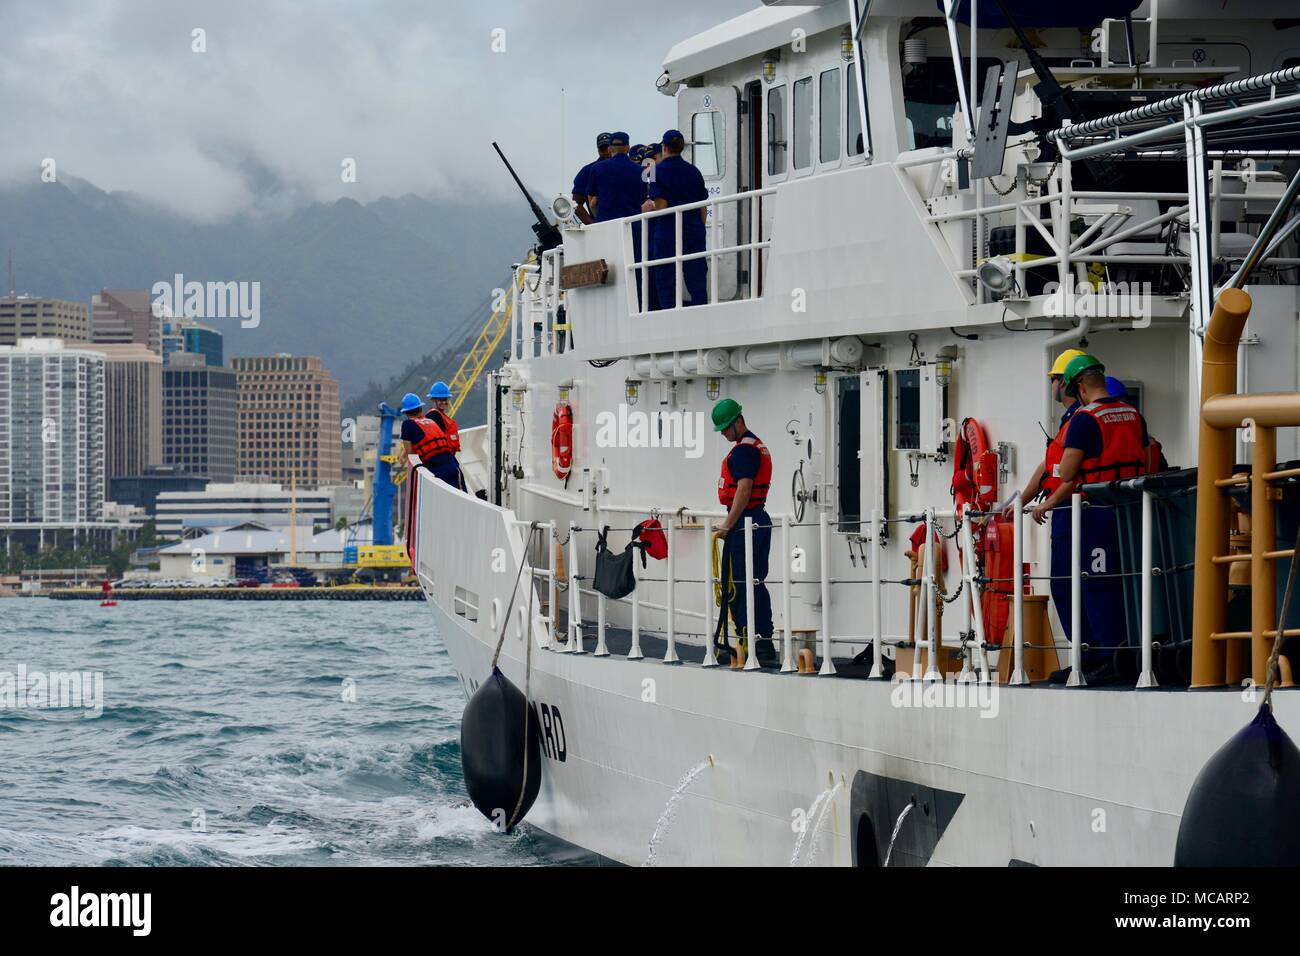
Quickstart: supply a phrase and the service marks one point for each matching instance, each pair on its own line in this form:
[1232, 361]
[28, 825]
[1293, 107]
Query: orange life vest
[1122, 453]
[452, 431]
[1052, 460]
[433, 440]
[762, 481]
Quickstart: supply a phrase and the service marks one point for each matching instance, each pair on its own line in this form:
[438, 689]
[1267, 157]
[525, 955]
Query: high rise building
[186, 335]
[29, 317]
[200, 418]
[289, 429]
[125, 316]
[133, 386]
[51, 434]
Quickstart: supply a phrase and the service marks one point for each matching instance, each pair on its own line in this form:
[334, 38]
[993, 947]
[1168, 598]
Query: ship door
[709, 118]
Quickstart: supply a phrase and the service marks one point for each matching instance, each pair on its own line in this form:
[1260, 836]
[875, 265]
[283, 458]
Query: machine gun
[1055, 98]
[548, 234]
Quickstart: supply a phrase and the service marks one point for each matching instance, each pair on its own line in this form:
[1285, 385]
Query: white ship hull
[1053, 776]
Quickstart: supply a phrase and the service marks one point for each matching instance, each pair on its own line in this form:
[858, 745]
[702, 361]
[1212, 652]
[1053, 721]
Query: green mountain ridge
[364, 286]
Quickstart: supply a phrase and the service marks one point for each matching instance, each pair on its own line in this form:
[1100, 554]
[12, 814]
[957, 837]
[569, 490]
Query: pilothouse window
[776, 136]
[803, 111]
[829, 116]
[706, 142]
[931, 100]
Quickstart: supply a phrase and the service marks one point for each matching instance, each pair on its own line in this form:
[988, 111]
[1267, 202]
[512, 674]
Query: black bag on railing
[614, 575]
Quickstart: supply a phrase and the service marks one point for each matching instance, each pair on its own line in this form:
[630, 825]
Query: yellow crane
[489, 338]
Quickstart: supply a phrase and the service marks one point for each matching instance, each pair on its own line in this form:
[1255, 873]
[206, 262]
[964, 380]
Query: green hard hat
[1077, 366]
[724, 413]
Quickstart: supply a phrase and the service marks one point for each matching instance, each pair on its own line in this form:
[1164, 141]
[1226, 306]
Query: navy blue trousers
[1103, 597]
[735, 548]
[695, 273]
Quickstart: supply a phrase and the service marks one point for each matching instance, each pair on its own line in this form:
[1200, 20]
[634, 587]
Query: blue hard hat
[440, 390]
[1115, 387]
[411, 402]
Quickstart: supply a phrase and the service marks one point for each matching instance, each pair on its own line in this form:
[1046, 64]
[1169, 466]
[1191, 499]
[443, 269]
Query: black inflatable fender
[492, 749]
[1241, 810]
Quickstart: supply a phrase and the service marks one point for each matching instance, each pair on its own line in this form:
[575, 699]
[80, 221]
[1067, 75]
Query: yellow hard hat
[1064, 359]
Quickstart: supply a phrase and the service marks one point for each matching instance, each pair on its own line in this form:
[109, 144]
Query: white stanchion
[575, 594]
[1147, 677]
[1076, 592]
[877, 669]
[709, 659]
[824, 544]
[751, 638]
[932, 583]
[1018, 676]
[670, 653]
[787, 636]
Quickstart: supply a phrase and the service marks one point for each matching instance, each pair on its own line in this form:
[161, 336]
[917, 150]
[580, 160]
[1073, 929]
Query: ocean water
[226, 739]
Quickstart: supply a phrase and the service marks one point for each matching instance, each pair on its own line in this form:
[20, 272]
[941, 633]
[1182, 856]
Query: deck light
[819, 382]
[997, 275]
[713, 388]
[846, 44]
[943, 365]
[633, 391]
[770, 59]
[563, 209]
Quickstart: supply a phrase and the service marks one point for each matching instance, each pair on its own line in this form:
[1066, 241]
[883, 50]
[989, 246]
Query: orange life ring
[562, 441]
[974, 469]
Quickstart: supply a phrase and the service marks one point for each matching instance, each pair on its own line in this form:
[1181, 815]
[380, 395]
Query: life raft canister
[562, 441]
[974, 469]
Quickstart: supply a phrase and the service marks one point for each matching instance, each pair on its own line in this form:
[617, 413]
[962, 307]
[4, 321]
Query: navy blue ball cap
[619, 139]
[603, 140]
[654, 149]
[637, 152]
[674, 137]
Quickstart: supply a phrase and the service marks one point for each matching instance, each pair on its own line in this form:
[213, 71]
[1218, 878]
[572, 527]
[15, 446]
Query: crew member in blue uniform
[582, 181]
[675, 183]
[617, 191]
[1106, 440]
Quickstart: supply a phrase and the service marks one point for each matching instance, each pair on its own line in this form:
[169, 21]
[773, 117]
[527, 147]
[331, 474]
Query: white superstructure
[847, 317]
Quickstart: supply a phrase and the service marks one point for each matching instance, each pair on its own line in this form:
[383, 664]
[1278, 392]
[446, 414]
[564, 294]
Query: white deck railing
[972, 639]
[715, 250]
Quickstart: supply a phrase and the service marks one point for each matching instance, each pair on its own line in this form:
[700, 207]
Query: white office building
[51, 436]
[225, 505]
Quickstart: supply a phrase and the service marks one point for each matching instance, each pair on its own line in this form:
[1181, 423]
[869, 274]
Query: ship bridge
[853, 191]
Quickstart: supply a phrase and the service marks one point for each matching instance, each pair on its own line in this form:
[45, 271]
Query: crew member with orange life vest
[1106, 440]
[440, 397]
[425, 439]
[742, 490]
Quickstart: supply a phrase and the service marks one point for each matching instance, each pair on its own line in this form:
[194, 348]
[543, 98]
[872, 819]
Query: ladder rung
[1284, 473]
[1246, 635]
[1232, 482]
[1268, 556]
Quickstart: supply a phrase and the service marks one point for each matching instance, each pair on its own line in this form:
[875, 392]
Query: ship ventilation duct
[716, 362]
[768, 358]
[842, 352]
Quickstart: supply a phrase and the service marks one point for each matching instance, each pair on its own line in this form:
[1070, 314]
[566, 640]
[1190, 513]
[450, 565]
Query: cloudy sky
[287, 90]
